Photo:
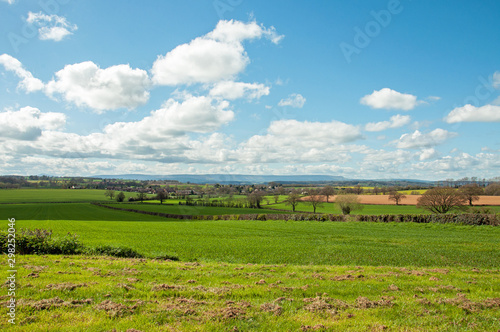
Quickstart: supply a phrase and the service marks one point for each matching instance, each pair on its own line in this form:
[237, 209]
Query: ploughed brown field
[409, 200]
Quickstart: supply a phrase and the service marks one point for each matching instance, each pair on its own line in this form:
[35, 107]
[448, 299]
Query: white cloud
[10, 2]
[236, 32]
[28, 82]
[470, 113]
[295, 141]
[162, 136]
[389, 99]
[217, 56]
[51, 27]
[28, 123]
[294, 100]
[233, 90]
[426, 154]
[196, 114]
[85, 84]
[496, 79]
[419, 140]
[396, 121]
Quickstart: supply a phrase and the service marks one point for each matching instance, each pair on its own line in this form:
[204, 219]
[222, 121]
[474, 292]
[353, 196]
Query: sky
[360, 89]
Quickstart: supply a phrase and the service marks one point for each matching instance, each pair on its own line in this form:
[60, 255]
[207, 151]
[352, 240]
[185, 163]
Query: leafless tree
[396, 196]
[441, 200]
[471, 192]
[293, 199]
[315, 199]
[327, 191]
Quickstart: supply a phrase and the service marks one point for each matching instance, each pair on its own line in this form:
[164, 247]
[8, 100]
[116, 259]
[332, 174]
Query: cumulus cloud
[236, 31]
[396, 121]
[470, 113]
[85, 84]
[162, 136]
[51, 27]
[28, 123]
[196, 114]
[420, 140]
[295, 141]
[294, 100]
[389, 99]
[233, 90]
[28, 82]
[217, 56]
[426, 154]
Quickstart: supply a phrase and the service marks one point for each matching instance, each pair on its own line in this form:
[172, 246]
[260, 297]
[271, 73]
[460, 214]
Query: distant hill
[228, 178]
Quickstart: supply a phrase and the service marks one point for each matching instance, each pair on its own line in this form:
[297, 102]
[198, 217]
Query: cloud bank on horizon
[235, 95]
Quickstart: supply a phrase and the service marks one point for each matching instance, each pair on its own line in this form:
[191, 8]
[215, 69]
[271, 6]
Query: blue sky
[362, 89]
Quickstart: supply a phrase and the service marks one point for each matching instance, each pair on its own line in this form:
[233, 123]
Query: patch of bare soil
[161, 287]
[55, 302]
[464, 303]
[347, 277]
[65, 286]
[117, 309]
[317, 327]
[271, 307]
[364, 303]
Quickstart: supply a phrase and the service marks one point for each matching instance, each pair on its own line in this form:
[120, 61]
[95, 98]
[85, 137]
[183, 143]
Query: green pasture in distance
[69, 211]
[294, 242]
[191, 210]
[367, 209]
[55, 195]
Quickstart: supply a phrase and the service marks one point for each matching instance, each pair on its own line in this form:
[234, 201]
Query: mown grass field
[103, 294]
[69, 211]
[294, 242]
[55, 195]
[191, 210]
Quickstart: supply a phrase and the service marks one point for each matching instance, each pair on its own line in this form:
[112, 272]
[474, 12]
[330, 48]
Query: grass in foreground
[293, 242]
[76, 293]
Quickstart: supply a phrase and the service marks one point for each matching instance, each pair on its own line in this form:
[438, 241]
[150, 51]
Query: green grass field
[54, 195]
[191, 210]
[294, 242]
[367, 209]
[80, 294]
[69, 211]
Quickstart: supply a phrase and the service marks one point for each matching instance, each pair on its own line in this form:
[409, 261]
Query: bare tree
[293, 199]
[348, 203]
[493, 189]
[441, 200]
[471, 192]
[315, 199]
[396, 196]
[327, 191]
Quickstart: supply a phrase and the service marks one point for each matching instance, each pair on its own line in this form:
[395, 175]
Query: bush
[114, 251]
[40, 241]
[167, 258]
